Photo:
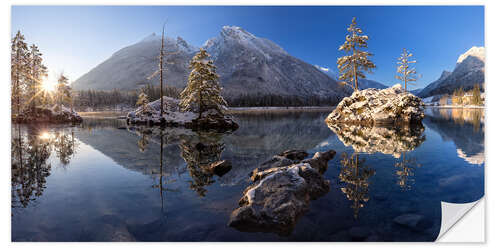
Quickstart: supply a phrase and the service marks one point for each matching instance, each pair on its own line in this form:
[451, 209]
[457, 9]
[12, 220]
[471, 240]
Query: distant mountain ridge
[468, 71]
[247, 65]
[363, 83]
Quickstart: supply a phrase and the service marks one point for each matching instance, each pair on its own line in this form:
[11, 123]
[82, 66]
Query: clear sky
[75, 39]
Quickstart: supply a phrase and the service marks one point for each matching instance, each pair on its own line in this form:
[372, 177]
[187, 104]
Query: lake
[104, 181]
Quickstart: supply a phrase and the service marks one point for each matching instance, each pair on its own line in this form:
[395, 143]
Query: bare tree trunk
[161, 71]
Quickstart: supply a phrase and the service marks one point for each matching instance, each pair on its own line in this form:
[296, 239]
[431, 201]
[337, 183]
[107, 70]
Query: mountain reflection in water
[104, 181]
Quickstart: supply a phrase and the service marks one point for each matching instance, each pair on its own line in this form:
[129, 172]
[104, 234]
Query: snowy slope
[251, 65]
[468, 71]
[363, 83]
[246, 64]
[130, 67]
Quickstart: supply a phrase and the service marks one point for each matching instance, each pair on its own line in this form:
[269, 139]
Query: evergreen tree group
[27, 75]
[203, 91]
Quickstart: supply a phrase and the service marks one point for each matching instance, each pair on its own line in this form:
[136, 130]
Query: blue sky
[74, 39]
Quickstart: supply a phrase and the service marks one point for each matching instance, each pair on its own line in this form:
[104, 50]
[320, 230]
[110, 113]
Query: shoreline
[454, 107]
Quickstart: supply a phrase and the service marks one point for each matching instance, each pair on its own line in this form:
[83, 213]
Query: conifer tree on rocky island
[63, 92]
[143, 101]
[406, 74]
[352, 66]
[202, 90]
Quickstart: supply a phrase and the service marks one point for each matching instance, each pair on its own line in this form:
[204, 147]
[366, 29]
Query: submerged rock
[280, 195]
[371, 106]
[415, 222]
[56, 114]
[173, 116]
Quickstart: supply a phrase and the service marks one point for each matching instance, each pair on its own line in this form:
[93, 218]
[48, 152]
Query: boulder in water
[372, 106]
[279, 195]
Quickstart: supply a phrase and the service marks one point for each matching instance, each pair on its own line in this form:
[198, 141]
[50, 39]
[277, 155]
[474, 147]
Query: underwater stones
[371, 106]
[414, 222]
[279, 196]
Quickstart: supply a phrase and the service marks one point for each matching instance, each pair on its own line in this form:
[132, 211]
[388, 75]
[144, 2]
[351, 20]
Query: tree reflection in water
[355, 174]
[405, 171]
[31, 149]
[199, 152]
[395, 141]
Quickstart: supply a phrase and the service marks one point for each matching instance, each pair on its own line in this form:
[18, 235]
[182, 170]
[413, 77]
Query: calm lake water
[102, 181]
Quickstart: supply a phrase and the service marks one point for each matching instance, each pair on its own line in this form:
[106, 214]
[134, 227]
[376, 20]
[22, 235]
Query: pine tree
[476, 95]
[143, 101]
[19, 70]
[351, 67]
[63, 91]
[408, 75]
[203, 87]
[37, 71]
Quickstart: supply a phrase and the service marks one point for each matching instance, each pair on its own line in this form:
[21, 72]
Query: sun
[45, 136]
[48, 86]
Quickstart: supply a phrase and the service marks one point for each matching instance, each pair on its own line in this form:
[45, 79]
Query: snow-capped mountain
[468, 71]
[247, 65]
[130, 67]
[363, 83]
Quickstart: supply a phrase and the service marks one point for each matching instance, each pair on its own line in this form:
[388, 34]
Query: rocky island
[56, 114]
[281, 191]
[378, 107]
[174, 116]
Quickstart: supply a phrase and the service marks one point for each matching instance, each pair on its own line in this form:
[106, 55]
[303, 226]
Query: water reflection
[405, 171]
[111, 187]
[468, 136]
[355, 175]
[31, 148]
[198, 149]
[200, 152]
[386, 140]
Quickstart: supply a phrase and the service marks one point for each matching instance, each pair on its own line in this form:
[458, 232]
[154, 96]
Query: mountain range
[247, 65]
[252, 66]
[468, 71]
[362, 83]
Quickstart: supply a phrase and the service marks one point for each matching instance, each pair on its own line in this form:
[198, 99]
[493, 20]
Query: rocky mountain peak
[236, 32]
[474, 51]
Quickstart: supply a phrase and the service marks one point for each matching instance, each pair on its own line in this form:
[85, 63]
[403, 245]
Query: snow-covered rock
[174, 116]
[386, 140]
[280, 195]
[371, 106]
[55, 114]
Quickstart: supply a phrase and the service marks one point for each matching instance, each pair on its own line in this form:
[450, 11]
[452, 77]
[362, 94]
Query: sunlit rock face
[386, 140]
[371, 106]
